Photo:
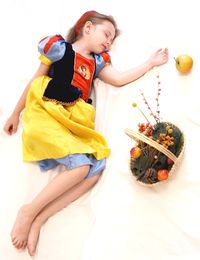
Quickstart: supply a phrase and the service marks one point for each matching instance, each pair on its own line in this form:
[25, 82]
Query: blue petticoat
[73, 161]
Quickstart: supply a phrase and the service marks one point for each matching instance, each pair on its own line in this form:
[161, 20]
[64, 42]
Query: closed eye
[109, 36]
[106, 34]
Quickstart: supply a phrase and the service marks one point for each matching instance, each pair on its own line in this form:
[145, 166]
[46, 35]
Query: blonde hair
[95, 18]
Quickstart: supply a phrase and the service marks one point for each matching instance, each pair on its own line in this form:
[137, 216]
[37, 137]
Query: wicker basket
[146, 168]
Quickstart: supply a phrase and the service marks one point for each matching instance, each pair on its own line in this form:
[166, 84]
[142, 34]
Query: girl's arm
[13, 121]
[111, 76]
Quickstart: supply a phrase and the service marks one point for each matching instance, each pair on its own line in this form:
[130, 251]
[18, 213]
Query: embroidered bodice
[72, 74]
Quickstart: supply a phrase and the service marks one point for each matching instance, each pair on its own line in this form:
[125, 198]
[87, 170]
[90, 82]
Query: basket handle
[138, 136]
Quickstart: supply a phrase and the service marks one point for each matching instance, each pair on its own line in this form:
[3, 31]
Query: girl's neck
[82, 48]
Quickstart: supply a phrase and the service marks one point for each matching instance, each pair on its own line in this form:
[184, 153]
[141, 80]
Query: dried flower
[149, 108]
[135, 105]
[157, 98]
[157, 115]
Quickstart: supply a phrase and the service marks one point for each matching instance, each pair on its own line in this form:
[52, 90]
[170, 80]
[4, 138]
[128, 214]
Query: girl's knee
[85, 169]
[95, 178]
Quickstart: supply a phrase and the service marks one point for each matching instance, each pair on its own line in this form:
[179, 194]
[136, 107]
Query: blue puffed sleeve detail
[100, 61]
[52, 47]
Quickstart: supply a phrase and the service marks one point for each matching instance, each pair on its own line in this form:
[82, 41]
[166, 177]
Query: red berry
[169, 161]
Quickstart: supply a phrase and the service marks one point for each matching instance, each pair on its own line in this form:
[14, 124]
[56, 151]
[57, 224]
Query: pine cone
[149, 177]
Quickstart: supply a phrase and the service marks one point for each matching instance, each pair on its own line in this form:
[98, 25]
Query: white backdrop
[107, 232]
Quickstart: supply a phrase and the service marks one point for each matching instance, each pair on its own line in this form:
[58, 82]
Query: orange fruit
[162, 175]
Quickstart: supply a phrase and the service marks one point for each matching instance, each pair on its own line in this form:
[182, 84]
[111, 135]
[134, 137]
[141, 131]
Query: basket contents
[157, 149]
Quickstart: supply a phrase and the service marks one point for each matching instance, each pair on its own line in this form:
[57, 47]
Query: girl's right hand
[159, 57]
[11, 125]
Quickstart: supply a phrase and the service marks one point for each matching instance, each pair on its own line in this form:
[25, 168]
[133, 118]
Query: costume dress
[58, 120]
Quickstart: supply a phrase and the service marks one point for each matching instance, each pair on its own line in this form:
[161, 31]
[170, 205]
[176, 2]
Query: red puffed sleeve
[52, 49]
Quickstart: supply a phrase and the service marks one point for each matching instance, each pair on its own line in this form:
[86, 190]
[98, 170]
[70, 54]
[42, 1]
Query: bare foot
[19, 234]
[33, 237]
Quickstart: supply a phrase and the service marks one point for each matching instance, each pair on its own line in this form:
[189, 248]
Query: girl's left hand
[159, 57]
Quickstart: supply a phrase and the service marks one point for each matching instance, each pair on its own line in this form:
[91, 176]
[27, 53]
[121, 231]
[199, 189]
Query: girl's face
[102, 36]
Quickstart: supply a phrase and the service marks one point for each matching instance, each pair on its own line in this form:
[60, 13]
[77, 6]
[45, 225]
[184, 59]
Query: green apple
[184, 63]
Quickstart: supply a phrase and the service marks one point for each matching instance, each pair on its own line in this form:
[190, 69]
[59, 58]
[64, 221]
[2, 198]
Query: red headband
[81, 20]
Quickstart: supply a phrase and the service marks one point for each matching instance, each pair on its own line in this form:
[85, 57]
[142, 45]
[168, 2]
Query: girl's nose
[108, 43]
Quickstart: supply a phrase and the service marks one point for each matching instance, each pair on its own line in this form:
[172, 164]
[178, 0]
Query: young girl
[58, 120]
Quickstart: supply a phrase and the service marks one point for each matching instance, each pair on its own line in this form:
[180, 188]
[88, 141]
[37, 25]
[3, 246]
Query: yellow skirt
[53, 131]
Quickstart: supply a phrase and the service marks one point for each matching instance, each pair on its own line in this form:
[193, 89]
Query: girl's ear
[87, 27]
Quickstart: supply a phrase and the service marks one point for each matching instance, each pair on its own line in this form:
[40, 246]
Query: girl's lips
[104, 47]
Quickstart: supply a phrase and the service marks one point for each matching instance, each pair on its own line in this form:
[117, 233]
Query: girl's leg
[60, 184]
[55, 206]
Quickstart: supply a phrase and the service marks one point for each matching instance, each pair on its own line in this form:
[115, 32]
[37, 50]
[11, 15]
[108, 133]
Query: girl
[58, 120]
